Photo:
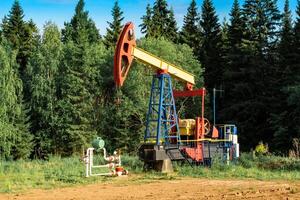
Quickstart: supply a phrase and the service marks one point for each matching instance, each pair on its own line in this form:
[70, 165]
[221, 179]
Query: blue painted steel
[162, 122]
[235, 130]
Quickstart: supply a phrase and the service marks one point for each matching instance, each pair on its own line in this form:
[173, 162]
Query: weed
[60, 172]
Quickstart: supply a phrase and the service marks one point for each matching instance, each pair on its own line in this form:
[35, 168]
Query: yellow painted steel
[207, 139]
[198, 140]
[187, 126]
[157, 63]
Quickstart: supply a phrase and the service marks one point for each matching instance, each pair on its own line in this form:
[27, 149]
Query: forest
[57, 90]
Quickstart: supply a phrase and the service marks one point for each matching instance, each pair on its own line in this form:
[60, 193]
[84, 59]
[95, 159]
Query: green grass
[248, 167]
[16, 176]
[57, 172]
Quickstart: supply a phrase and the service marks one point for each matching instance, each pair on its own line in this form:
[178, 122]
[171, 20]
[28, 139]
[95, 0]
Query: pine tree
[296, 32]
[159, 21]
[286, 119]
[115, 27]
[146, 26]
[172, 34]
[76, 85]
[13, 25]
[286, 36]
[160, 18]
[255, 93]
[20, 34]
[235, 57]
[75, 103]
[80, 24]
[237, 27]
[210, 52]
[263, 18]
[189, 33]
[236, 78]
[44, 66]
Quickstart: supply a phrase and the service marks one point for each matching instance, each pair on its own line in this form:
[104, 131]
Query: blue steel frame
[162, 118]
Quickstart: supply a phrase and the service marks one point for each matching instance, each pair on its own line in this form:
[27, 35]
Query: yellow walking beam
[126, 51]
[159, 64]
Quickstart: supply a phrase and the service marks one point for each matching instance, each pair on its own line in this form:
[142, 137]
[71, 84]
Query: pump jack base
[163, 166]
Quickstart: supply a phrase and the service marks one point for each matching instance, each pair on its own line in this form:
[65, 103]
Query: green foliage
[260, 168]
[190, 32]
[263, 19]
[159, 21]
[20, 34]
[284, 131]
[64, 91]
[75, 102]
[146, 26]
[209, 51]
[182, 56]
[19, 176]
[252, 80]
[172, 34]
[80, 26]
[43, 68]
[122, 117]
[261, 149]
[114, 27]
[14, 137]
[160, 18]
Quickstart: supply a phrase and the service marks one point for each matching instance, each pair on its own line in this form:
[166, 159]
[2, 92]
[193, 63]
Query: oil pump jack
[168, 138]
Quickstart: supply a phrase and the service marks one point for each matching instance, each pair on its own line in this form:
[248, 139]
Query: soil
[182, 189]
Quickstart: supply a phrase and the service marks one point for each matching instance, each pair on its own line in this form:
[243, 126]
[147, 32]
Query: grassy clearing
[248, 167]
[21, 175]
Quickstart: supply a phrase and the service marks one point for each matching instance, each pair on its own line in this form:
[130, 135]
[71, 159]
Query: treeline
[57, 90]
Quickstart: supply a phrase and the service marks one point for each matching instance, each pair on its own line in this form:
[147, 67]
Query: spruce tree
[172, 34]
[255, 95]
[76, 84]
[236, 78]
[189, 33]
[235, 57]
[160, 19]
[296, 31]
[20, 34]
[286, 35]
[146, 26]
[237, 27]
[286, 120]
[44, 69]
[80, 24]
[263, 19]
[209, 51]
[75, 101]
[115, 27]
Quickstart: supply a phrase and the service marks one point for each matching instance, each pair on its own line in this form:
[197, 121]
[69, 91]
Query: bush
[261, 149]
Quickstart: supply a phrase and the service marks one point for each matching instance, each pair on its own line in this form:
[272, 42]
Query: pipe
[89, 161]
[116, 157]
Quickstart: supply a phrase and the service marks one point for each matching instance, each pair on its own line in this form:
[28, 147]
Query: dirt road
[182, 189]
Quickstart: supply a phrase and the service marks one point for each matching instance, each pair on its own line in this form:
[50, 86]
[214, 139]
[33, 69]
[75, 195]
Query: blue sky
[60, 11]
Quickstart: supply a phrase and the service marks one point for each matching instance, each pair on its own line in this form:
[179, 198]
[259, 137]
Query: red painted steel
[189, 93]
[123, 54]
[196, 152]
